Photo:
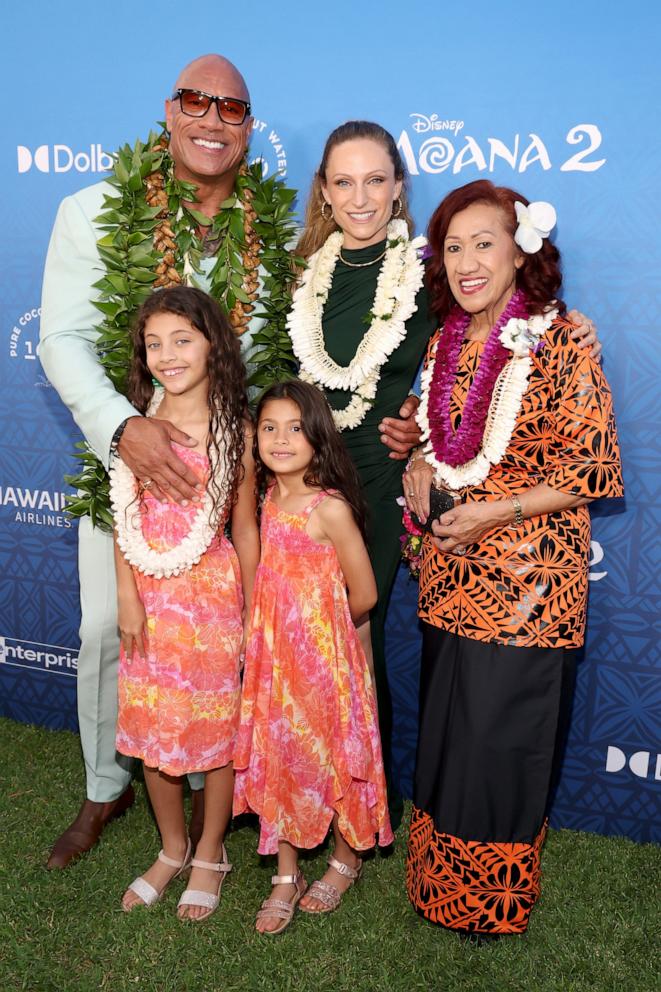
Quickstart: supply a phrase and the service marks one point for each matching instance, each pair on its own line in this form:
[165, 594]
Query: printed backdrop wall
[551, 99]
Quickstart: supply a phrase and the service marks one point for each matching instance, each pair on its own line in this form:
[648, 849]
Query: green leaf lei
[138, 254]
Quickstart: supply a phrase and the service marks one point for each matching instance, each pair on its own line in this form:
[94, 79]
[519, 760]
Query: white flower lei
[519, 336]
[128, 522]
[399, 280]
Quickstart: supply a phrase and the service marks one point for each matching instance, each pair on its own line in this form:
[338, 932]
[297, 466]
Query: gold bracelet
[518, 511]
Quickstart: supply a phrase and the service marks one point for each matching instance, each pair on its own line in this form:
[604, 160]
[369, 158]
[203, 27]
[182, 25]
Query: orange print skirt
[492, 724]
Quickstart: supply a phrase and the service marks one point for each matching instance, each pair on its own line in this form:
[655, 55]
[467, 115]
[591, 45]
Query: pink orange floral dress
[179, 707]
[308, 742]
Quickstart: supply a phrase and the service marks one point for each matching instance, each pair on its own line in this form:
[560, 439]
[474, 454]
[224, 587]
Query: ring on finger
[459, 549]
[146, 483]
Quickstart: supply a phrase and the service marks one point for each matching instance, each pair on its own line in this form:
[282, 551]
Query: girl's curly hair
[331, 467]
[228, 403]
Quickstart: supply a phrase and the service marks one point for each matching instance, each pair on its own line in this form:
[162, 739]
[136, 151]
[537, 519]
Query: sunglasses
[194, 103]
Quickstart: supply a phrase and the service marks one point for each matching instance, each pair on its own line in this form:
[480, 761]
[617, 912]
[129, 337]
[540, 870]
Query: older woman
[359, 326]
[518, 435]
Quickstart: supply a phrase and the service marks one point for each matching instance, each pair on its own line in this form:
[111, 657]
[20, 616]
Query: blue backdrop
[553, 100]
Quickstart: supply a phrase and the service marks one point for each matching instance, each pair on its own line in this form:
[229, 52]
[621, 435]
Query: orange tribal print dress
[308, 744]
[497, 669]
[528, 586]
[179, 706]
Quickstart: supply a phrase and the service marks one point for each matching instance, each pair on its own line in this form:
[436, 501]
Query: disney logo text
[434, 123]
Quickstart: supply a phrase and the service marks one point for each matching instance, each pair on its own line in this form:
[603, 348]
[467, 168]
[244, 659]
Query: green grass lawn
[595, 929]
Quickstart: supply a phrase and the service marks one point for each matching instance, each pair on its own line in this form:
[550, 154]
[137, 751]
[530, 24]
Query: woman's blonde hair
[317, 229]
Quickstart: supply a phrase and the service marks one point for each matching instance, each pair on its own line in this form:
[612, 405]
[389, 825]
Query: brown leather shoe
[196, 825]
[86, 829]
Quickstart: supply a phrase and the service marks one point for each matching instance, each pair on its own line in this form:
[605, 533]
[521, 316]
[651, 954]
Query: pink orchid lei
[460, 447]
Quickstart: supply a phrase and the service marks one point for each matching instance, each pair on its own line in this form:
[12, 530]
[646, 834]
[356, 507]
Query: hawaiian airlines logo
[42, 657]
[448, 149]
[39, 507]
[62, 158]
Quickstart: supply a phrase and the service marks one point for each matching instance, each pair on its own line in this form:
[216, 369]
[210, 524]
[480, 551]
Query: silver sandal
[146, 891]
[207, 900]
[329, 894]
[279, 908]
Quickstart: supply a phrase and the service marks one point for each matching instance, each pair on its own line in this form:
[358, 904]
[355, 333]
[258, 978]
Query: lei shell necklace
[399, 280]
[128, 517]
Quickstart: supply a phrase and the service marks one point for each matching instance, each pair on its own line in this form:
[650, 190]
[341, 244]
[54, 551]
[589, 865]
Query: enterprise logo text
[43, 657]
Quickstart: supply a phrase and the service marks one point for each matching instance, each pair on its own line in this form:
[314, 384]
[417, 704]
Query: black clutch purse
[440, 501]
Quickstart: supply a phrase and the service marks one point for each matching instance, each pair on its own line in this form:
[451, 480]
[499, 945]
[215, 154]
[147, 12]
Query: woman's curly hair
[331, 467]
[539, 277]
[228, 403]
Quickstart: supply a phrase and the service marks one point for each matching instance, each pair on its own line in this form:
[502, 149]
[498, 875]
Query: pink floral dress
[308, 742]
[179, 707]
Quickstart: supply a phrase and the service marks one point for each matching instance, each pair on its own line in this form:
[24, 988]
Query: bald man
[207, 151]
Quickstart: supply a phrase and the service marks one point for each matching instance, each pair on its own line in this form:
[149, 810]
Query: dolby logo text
[61, 158]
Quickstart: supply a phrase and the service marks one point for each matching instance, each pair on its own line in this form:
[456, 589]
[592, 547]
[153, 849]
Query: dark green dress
[350, 299]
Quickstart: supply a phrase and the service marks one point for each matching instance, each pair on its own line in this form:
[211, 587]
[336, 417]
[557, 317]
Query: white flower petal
[528, 239]
[542, 216]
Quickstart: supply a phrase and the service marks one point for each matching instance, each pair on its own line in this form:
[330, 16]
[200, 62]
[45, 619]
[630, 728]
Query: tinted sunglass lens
[232, 111]
[195, 104]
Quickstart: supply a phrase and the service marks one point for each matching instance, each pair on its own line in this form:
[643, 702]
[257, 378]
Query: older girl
[182, 586]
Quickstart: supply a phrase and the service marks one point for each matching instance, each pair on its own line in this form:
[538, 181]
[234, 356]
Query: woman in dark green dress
[358, 192]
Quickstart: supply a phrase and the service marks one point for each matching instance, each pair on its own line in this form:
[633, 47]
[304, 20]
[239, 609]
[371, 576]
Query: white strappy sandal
[146, 891]
[207, 900]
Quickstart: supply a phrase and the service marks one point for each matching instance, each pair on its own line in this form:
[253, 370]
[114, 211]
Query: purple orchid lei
[458, 448]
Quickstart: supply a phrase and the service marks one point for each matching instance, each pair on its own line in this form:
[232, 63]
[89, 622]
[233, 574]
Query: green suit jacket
[69, 321]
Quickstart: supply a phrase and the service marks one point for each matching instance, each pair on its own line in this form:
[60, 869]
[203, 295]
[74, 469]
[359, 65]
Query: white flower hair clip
[536, 221]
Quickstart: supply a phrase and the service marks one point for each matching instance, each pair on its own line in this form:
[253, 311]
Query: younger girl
[180, 588]
[308, 754]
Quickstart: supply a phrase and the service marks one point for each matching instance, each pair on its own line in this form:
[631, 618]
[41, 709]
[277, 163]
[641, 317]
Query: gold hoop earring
[323, 207]
[396, 213]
